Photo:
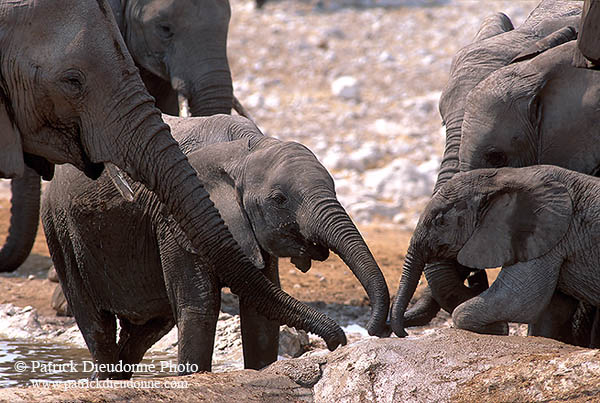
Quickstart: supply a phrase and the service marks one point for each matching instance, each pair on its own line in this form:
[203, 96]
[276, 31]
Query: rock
[292, 343]
[346, 87]
[448, 365]
[59, 302]
[52, 276]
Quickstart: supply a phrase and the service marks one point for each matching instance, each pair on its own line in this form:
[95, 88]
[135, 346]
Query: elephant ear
[553, 40]
[118, 12]
[517, 224]
[213, 164]
[12, 164]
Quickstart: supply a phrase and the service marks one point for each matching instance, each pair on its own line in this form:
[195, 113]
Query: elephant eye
[496, 158]
[164, 31]
[278, 197]
[73, 82]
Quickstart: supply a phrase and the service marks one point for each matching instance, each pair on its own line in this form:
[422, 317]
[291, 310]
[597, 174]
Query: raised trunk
[148, 153]
[24, 219]
[411, 273]
[332, 227]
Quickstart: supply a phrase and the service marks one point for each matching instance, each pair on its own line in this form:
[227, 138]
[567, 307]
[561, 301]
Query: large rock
[449, 365]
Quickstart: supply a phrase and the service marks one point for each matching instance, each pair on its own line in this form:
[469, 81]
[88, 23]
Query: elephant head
[184, 44]
[540, 111]
[70, 93]
[276, 197]
[179, 44]
[486, 218]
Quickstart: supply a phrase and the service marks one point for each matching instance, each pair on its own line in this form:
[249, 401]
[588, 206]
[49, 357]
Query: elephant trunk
[176, 184]
[411, 273]
[428, 306]
[24, 219]
[209, 94]
[450, 162]
[331, 226]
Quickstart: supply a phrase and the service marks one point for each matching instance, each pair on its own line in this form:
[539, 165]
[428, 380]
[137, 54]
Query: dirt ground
[330, 281]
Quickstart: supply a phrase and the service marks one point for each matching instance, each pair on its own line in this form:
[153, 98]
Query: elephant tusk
[118, 179]
[239, 108]
[184, 107]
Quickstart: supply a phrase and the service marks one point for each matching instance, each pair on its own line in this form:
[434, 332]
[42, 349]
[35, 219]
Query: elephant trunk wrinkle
[411, 274]
[333, 228]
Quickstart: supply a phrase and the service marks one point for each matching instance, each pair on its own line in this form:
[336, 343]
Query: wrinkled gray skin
[131, 260]
[539, 223]
[62, 103]
[539, 111]
[495, 45]
[180, 47]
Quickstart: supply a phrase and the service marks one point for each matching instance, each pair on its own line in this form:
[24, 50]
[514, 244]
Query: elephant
[63, 103]
[495, 45]
[275, 197]
[180, 48]
[539, 223]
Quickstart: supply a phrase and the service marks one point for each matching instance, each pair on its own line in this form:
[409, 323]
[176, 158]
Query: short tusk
[184, 107]
[118, 179]
[239, 108]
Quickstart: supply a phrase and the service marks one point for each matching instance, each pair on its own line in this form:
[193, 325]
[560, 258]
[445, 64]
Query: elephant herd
[189, 205]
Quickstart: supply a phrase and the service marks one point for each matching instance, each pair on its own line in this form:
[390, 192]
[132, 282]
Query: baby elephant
[540, 223]
[132, 261]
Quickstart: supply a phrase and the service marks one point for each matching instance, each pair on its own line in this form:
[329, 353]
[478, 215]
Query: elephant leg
[447, 283]
[584, 325]
[423, 311]
[520, 294]
[260, 336]
[493, 25]
[595, 333]
[98, 327]
[195, 295]
[135, 340]
[555, 320]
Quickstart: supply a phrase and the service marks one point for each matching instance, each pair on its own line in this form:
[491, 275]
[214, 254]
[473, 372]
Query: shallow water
[22, 362]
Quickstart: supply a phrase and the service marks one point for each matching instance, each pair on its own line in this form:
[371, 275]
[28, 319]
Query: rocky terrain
[358, 82]
[448, 366]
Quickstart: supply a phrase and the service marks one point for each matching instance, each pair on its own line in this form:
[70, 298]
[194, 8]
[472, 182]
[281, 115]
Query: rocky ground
[358, 82]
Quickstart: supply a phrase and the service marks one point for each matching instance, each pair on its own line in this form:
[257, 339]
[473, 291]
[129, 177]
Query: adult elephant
[271, 211]
[180, 49]
[62, 103]
[495, 46]
[542, 110]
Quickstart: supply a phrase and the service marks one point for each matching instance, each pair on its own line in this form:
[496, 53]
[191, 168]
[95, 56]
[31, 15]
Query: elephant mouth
[312, 251]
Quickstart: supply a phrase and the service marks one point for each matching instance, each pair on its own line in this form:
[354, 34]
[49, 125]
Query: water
[22, 361]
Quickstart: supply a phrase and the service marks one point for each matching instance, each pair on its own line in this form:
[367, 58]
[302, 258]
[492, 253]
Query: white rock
[346, 87]
[255, 101]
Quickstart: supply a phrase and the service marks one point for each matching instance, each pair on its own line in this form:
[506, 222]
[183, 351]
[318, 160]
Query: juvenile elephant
[539, 223]
[179, 47]
[131, 260]
[542, 110]
[60, 103]
[496, 44]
